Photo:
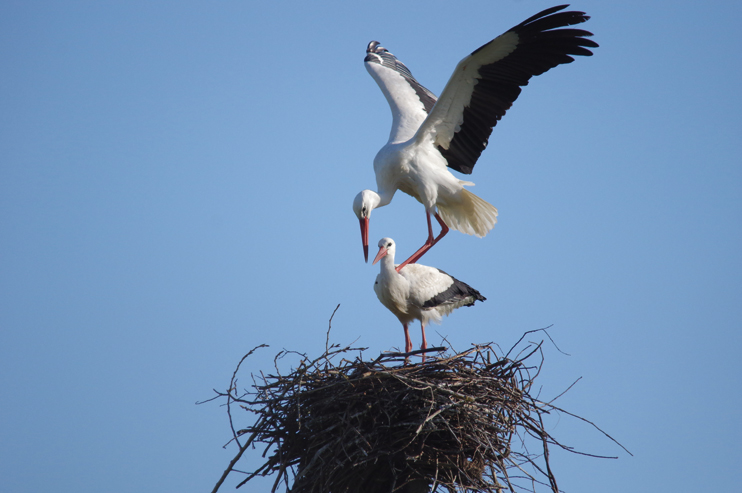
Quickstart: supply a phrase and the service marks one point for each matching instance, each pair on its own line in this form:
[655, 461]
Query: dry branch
[444, 425]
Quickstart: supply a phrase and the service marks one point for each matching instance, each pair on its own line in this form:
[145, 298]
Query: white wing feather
[408, 112]
[447, 115]
[425, 283]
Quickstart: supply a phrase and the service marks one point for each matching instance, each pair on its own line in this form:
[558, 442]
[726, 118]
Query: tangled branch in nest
[445, 425]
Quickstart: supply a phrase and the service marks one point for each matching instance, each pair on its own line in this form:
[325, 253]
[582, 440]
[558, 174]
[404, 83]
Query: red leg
[429, 242]
[424, 345]
[407, 340]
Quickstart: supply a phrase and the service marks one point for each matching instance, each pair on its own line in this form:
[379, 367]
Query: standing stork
[428, 135]
[418, 292]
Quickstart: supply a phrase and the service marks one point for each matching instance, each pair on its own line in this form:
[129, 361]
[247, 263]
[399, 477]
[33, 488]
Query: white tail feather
[471, 215]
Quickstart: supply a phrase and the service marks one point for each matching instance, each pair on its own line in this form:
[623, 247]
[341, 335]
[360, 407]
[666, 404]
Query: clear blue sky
[176, 181]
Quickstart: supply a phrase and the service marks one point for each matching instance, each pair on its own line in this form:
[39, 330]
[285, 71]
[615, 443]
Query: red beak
[382, 253]
[364, 237]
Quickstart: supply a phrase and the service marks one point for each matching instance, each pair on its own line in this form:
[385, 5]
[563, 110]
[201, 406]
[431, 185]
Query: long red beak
[382, 253]
[364, 237]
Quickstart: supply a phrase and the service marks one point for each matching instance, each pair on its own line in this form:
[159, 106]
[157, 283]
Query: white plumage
[418, 292]
[430, 135]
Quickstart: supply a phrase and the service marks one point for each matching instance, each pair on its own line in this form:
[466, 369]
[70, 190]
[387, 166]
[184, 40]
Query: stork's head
[363, 204]
[386, 247]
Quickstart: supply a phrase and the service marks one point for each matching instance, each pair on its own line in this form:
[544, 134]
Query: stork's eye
[388, 245]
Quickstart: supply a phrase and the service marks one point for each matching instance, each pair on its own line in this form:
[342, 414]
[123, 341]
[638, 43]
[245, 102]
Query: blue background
[176, 181]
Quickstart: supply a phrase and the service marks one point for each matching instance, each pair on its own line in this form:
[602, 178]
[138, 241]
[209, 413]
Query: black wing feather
[541, 46]
[458, 291]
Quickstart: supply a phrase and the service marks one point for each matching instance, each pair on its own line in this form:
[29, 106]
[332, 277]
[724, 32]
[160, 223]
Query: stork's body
[418, 292]
[431, 135]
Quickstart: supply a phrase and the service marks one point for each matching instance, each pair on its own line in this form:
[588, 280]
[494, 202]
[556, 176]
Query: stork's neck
[383, 198]
[387, 266]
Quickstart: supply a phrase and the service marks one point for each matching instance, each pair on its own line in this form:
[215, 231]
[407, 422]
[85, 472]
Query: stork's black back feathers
[459, 291]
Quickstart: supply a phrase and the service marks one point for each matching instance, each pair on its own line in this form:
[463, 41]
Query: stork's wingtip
[375, 47]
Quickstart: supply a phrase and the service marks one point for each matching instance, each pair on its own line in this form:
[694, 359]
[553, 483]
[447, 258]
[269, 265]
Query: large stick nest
[461, 422]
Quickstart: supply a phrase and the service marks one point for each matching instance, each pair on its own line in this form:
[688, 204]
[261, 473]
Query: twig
[361, 426]
[232, 383]
[329, 327]
[234, 461]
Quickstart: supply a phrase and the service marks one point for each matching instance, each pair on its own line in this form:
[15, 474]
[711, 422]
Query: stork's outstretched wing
[409, 100]
[485, 83]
